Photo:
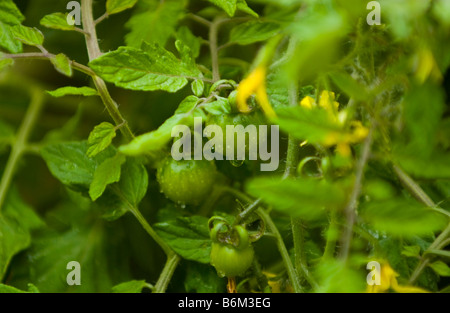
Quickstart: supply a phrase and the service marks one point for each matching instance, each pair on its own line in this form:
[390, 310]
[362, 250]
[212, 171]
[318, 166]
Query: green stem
[213, 34]
[167, 273]
[94, 52]
[20, 143]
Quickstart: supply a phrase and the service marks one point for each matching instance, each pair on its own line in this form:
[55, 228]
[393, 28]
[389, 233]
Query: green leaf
[187, 236]
[9, 16]
[440, 268]
[219, 107]
[16, 221]
[434, 167]
[69, 163]
[73, 91]
[4, 63]
[253, 31]
[349, 86]
[201, 278]
[306, 198]
[134, 182]
[185, 35]
[100, 138]
[242, 5]
[157, 139]
[106, 173]
[133, 286]
[57, 21]
[116, 6]
[156, 24]
[313, 124]
[9, 289]
[28, 35]
[229, 6]
[411, 251]
[153, 69]
[198, 86]
[401, 217]
[62, 64]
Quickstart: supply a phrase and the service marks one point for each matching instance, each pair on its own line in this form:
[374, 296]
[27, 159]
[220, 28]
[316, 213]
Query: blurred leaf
[202, 278]
[229, 6]
[69, 163]
[443, 253]
[434, 167]
[241, 5]
[57, 21]
[153, 69]
[106, 173]
[6, 135]
[185, 35]
[9, 289]
[73, 91]
[9, 16]
[337, 277]
[440, 268]
[306, 198]
[441, 10]
[349, 86]
[16, 222]
[28, 35]
[401, 217]
[100, 138]
[62, 64]
[116, 6]
[253, 31]
[187, 236]
[4, 63]
[411, 251]
[156, 24]
[134, 286]
[198, 86]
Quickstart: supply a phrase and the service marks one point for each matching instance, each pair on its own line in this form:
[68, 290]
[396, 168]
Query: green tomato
[186, 181]
[230, 261]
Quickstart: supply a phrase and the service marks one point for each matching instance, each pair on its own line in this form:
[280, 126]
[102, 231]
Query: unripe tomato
[186, 181]
[230, 261]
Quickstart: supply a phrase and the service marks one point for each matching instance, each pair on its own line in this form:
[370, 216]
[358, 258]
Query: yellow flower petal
[326, 101]
[248, 87]
[263, 100]
[308, 102]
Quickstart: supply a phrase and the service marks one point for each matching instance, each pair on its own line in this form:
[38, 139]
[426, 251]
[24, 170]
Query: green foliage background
[76, 185]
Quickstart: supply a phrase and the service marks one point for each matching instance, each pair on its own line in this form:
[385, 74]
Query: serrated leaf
[153, 69]
[100, 138]
[229, 6]
[57, 21]
[187, 236]
[134, 182]
[242, 5]
[16, 222]
[133, 286]
[157, 139]
[106, 173]
[73, 91]
[9, 16]
[69, 163]
[116, 6]
[306, 198]
[253, 31]
[401, 217]
[28, 35]
[62, 64]
[198, 86]
[440, 268]
[156, 24]
[411, 251]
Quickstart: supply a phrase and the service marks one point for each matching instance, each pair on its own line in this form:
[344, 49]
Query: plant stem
[20, 143]
[213, 33]
[350, 210]
[167, 273]
[94, 52]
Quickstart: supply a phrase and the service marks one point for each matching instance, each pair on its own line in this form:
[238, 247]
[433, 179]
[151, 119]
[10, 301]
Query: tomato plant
[342, 108]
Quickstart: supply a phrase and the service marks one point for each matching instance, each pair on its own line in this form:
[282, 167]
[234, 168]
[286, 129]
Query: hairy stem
[20, 143]
[213, 34]
[94, 52]
[167, 273]
[350, 210]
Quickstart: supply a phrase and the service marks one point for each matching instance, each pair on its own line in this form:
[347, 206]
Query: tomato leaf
[100, 138]
[73, 91]
[9, 17]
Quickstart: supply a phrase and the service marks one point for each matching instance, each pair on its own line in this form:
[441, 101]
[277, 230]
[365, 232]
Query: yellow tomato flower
[254, 84]
[388, 280]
